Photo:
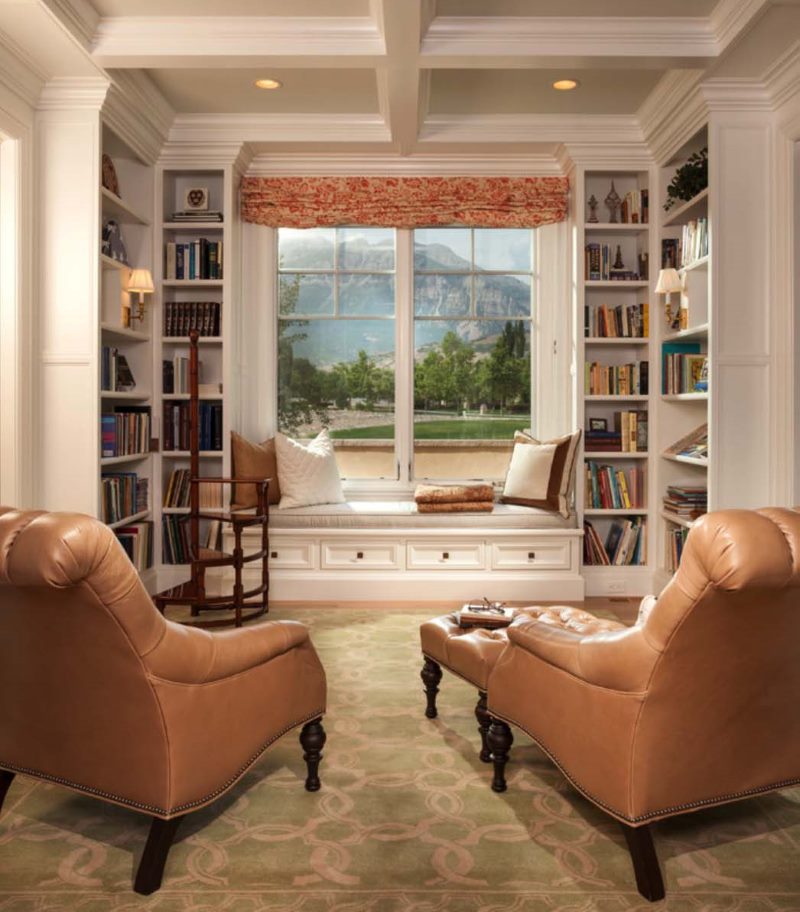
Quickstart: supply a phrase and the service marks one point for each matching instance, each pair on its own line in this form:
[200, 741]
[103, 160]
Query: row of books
[123, 494]
[598, 263]
[686, 501]
[126, 432]
[115, 373]
[694, 241]
[675, 541]
[629, 434]
[684, 368]
[176, 548]
[197, 215]
[175, 375]
[178, 489]
[137, 540]
[635, 208]
[616, 379]
[180, 317]
[200, 259]
[693, 446]
[176, 426]
[612, 488]
[625, 544]
[631, 321]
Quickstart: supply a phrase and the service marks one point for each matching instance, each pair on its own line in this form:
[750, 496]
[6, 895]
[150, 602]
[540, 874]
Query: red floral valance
[404, 202]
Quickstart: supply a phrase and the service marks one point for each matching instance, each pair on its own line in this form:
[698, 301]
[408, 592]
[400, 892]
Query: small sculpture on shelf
[113, 246]
[109, 175]
[618, 264]
[613, 201]
[593, 204]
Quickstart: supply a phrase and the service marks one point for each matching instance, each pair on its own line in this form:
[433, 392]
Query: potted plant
[689, 179]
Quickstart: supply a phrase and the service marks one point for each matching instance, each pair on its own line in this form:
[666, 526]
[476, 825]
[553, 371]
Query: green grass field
[446, 429]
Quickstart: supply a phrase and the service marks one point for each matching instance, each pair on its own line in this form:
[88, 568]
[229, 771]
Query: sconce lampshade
[141, 281]
[668, 281]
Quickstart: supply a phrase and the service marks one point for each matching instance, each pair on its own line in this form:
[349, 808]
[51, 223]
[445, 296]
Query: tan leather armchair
[695, 705]
[99, 693]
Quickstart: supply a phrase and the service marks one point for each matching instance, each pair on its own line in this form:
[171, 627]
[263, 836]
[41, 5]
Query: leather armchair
[693, 706]
[101, 694]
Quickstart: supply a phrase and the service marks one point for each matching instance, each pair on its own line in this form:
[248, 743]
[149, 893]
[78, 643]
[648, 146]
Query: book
[482, 613]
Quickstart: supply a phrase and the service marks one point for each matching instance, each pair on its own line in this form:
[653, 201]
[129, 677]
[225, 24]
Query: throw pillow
[253, 460]
[541, 474]
[308, 472]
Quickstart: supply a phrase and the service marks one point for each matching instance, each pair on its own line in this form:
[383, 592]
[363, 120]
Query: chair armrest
[189, 655]
[598, 651]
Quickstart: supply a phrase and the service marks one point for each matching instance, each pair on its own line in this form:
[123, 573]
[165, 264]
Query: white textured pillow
[528, 475]
[307, 473]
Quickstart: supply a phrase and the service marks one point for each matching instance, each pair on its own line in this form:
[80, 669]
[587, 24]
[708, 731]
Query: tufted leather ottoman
[471, 654]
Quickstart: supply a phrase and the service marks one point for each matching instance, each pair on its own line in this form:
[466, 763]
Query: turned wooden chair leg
[6, 778]
[500, 740]
[484, 721]
[645, 862]
[312, 739]
[431, 674]
[151, 867]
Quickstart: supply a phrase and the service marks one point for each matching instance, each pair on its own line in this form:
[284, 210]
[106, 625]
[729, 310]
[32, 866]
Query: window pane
[366, 295]
[471, 393]
[306, 248]
[503, 249]
[502, 296]
[307, 294]
[366, 248]
[441, 295]
[443, 249]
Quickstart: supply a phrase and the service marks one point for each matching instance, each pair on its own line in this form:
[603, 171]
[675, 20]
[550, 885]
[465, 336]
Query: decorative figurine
[112, 244]
[618, 264]
[593, 204]
[613, 201]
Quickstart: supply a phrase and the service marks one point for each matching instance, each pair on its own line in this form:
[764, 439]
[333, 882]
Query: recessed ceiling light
[566, 85]
[268, 83]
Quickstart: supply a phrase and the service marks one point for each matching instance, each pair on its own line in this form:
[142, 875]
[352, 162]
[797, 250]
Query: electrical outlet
[616, 587]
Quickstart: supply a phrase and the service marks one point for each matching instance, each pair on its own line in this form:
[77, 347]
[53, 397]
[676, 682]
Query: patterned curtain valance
[404, 202]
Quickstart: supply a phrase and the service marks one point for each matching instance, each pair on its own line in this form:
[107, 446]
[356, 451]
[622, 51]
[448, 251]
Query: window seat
[402, 514]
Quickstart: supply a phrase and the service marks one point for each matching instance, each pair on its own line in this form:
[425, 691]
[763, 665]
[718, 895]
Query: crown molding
[782, 79]
[266, 164]
[275, 128]
[538, 128]
[19, 73]
[612, 155]
[132, 41]
[581, 36]
[138, 113]
[673, 112]
[729, 18]
[78, 17]
[205, 154]
[735, 93]
[69, 93]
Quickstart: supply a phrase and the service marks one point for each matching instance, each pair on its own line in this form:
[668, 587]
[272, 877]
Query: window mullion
[404, 353]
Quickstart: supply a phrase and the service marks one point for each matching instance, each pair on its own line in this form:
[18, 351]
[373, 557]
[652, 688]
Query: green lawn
[446, 429]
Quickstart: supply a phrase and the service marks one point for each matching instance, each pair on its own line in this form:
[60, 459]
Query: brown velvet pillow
[561, 470]
[253, 460]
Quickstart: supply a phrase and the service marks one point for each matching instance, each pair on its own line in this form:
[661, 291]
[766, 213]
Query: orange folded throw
[463, 506]
[448, 494]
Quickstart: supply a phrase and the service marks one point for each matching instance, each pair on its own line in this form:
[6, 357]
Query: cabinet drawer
[291, 555]
[531, 555]
[445, 555]
[378, 555]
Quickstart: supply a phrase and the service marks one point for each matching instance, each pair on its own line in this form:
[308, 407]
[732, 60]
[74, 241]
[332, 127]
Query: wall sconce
[140, 282]
[668, 281]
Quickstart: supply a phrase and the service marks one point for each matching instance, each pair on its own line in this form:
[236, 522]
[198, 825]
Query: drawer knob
[445, 555]
[273, 554]
[359, 555]
[531, 555]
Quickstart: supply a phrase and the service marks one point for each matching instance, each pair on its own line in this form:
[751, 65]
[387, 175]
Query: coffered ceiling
[400, 76]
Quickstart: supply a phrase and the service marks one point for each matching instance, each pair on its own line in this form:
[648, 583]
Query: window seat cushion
[402, 514]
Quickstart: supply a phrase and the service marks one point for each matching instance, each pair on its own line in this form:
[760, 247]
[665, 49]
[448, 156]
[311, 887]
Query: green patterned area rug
[405, 821]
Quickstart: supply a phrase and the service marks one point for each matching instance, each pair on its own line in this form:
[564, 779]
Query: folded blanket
[441, 494]
[464, 506]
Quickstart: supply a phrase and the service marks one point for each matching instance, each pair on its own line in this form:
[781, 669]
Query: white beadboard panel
[741, 267]
[69, 232]
[742, 439]
[69, 436]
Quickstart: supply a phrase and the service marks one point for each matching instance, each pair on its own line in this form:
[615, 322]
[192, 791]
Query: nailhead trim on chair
[640, 818]
[161, 812]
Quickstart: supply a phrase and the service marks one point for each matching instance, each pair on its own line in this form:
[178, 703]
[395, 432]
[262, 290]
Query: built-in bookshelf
[195, 287]
[614, 349]
[126, 464]
[686, 387]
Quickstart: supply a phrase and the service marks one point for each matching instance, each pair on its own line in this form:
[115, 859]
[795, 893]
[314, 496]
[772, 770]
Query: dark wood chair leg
[500, 740]
[312, 739]
[484, 721]
[431, 674]
[151, 867]
[6, 778]
[645, 862]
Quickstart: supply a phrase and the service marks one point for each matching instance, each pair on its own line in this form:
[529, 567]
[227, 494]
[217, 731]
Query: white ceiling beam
[279, 128]
[530, 128]
[236, 41]
[730, 18]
